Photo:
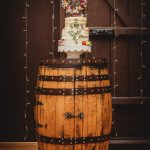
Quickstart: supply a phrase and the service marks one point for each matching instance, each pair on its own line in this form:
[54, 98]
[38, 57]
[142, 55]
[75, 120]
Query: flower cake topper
[74, 8]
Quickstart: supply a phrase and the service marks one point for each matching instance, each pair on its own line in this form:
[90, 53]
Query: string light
[142, 65]
[115, 48]
[115, 60]
[86, 53]
[142, 43]
[53, 28]
[27, 102]
[86, 9]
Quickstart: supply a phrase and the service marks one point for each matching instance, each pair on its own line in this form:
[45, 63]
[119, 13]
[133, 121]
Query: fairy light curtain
[26, 67]
[26, 50]
[115, 59]
[53, 27]
[142, 43]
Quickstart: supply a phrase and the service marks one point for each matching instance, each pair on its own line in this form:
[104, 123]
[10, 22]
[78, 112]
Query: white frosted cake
[75, 35]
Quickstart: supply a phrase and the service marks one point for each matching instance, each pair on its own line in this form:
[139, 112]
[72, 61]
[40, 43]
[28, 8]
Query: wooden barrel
[73, 108]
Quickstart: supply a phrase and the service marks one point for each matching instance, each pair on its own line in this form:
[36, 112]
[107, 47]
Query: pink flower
[80, 8]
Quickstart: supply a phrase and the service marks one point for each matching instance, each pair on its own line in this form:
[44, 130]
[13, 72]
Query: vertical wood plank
[122, 67]
[42, 111]
[107, 83]
[98, 112]
[78, 109]
[39, 98]
[134, 63]
[51, 110]
[60, 111]
[69, 107]
[94, 9]
[104, 145]
[91, 109]
[106, 110]
[47, 106]
[37, 111]
[85, 109]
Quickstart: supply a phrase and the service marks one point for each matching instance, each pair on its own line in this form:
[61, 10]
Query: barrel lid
[72, 63]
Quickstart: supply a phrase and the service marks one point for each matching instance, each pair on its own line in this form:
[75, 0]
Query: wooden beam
[120, 13]
[129, 140]
[125, 31]
[18, 146]
[131, 100]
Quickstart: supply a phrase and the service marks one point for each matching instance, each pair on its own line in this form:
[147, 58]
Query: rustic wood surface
[91, 107]
[60, 111]
[78, 108]
[95, 108]
[18, 146]
[85, 108]
[69, 105]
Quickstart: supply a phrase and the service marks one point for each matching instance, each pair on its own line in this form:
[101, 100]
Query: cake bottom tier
[74, 48]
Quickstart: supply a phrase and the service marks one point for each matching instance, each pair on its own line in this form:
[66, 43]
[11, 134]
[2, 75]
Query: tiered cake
[75, 34]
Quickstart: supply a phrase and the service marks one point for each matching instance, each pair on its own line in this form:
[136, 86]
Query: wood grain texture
[18, 146]
[78, 109]
[121, 13]
[91, 109]
[106, 110]
[69, 124]
[60, 111]
[95, 108]
[51, 109]
[98, 113]
[85, 109]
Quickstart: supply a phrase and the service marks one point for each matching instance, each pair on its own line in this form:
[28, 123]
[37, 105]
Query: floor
[18, 146]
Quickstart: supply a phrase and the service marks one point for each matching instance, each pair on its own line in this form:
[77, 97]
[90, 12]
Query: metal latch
[101, 31]
[68, 115]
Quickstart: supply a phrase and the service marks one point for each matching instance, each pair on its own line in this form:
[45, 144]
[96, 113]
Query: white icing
[73, 48]
[84, 33]
[73, 35]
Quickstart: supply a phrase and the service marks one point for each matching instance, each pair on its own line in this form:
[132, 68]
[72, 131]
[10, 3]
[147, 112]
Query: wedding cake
[75, 34]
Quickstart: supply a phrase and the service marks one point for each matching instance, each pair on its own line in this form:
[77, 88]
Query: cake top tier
[74, 8]
[76, 21]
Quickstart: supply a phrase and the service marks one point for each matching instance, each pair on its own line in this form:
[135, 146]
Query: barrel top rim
[74, 59]
[71, 63]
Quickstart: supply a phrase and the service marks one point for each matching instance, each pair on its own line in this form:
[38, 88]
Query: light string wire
[53, 28]
[27, 102]
[115, 60]
[142, 65]
[86, 15]
[86, 9]
[142, 43]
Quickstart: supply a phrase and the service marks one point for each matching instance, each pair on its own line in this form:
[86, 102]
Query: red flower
[83, 42]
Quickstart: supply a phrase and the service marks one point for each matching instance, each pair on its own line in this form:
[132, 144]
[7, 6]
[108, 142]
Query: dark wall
[131, 120]
[12, 71]
[12, 61]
